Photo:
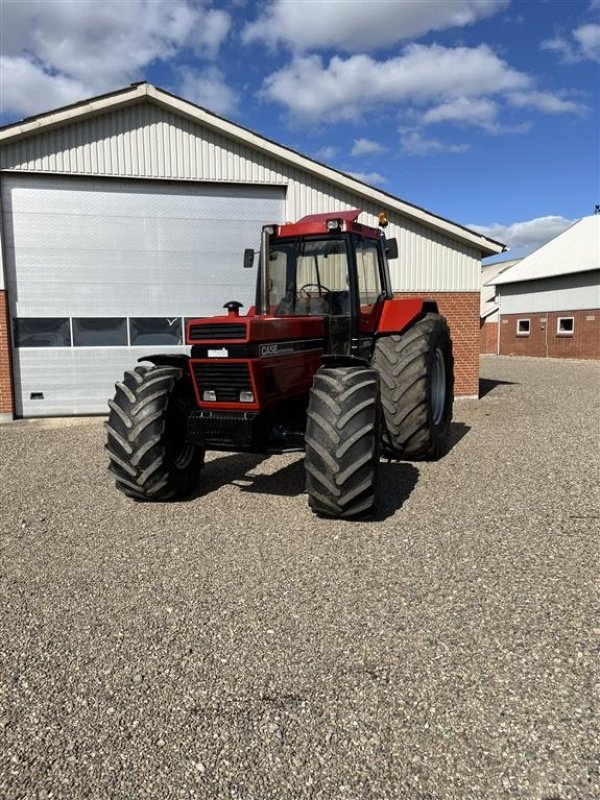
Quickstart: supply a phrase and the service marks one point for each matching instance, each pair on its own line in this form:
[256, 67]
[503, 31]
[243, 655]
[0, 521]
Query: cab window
[370, 289]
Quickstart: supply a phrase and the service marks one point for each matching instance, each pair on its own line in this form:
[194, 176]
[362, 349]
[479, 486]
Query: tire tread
[342, 441]
[403, 363]
[136, 441]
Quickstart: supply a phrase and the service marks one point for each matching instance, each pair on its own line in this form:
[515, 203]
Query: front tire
[150, 458]
[417, 389]
[342, 442]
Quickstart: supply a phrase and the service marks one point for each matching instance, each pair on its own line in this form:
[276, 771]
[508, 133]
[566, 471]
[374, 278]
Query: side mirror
[248, 258]
[391, 248]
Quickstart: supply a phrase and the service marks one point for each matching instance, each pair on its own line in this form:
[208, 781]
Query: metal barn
[125, 214]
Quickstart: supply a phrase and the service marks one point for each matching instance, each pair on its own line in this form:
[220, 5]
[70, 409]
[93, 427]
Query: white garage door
[101, 272]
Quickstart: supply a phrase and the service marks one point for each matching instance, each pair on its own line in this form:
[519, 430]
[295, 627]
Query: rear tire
[150, 458]
[417, 389]
[342, 442]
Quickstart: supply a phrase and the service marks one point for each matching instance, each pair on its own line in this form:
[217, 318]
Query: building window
[155, 330]
[99, 332]
[523, 327]
[42, 332]
[565, 326]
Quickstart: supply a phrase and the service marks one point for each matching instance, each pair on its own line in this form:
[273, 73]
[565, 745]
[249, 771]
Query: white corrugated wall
[148, 141]
[559, 293]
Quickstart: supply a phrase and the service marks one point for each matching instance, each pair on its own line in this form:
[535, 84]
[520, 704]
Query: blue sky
[484, 111]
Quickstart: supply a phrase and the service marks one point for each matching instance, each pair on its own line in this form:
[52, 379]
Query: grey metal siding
[147, 141]
[561, 293]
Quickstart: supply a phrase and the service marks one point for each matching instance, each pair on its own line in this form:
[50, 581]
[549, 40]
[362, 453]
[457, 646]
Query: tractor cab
[327, 266]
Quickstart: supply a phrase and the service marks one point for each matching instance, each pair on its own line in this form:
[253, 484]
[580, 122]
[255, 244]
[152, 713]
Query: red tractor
[327, 361]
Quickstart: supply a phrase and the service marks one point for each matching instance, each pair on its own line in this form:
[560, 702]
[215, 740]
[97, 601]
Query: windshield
[309, 277]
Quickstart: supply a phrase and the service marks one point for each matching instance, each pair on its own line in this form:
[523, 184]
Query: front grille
[217, 330]
[227, 431]
[226, 380]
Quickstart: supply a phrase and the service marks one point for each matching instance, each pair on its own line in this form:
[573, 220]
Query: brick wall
[489, 338]
[461, 309]
[6, 391]
[543, 340]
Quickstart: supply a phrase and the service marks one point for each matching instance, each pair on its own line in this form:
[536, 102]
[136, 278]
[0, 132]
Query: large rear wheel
[417, 389]
[150, 457]
[342, 442]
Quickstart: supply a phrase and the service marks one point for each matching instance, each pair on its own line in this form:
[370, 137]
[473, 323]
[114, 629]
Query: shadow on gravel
[486, 385]
[396, 479]
[234, 470]
[458, 430]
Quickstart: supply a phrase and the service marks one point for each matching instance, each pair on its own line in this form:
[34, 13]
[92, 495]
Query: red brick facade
[461, 309]
[6, 391]
[489, 338]
[543, 340]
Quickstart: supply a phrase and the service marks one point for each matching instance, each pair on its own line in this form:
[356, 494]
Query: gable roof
[140, 92]
[487, 304]
[577, 249]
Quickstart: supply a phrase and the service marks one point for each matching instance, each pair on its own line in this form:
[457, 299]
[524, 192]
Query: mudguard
[398, 314]
[167, 359]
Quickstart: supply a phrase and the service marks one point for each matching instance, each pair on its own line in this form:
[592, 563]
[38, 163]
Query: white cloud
[366, 147]
[546, 102]
[326, 153]
[26, 87]
[79, 48]
[584, 45]
[303, 25]
[588, 39]
[208, 88]
[528, 235]
[372, 178]
[414, 143]
[465, 110]
[348, 88]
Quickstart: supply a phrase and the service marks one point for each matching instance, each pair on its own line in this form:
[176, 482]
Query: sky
[482, 111]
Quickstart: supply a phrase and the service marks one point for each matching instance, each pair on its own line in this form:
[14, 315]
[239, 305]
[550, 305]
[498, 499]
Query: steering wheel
[319, 286]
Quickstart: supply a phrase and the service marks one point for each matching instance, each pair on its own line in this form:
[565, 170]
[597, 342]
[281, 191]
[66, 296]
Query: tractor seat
[312, 306]
[302, 307]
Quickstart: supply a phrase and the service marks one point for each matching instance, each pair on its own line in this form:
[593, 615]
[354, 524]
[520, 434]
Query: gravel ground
[234, 646]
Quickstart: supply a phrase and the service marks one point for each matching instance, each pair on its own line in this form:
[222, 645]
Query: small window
[523, 327]
[42, 332]
[155, 330]
[100, 332]
[565, 326]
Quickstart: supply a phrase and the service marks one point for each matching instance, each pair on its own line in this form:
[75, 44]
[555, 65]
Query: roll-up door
[101, 271]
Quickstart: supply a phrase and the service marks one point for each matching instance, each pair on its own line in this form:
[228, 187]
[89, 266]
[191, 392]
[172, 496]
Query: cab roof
[316, 224]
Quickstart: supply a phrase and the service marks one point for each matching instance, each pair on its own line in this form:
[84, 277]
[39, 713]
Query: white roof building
[488, 305]
[576, 249]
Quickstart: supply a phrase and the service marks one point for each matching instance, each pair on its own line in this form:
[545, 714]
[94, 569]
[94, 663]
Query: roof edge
[64, 114]
[139, 91]
[489, 312]
[502, 279]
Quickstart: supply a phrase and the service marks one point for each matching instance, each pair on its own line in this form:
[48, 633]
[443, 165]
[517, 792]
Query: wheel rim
[438, 387]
